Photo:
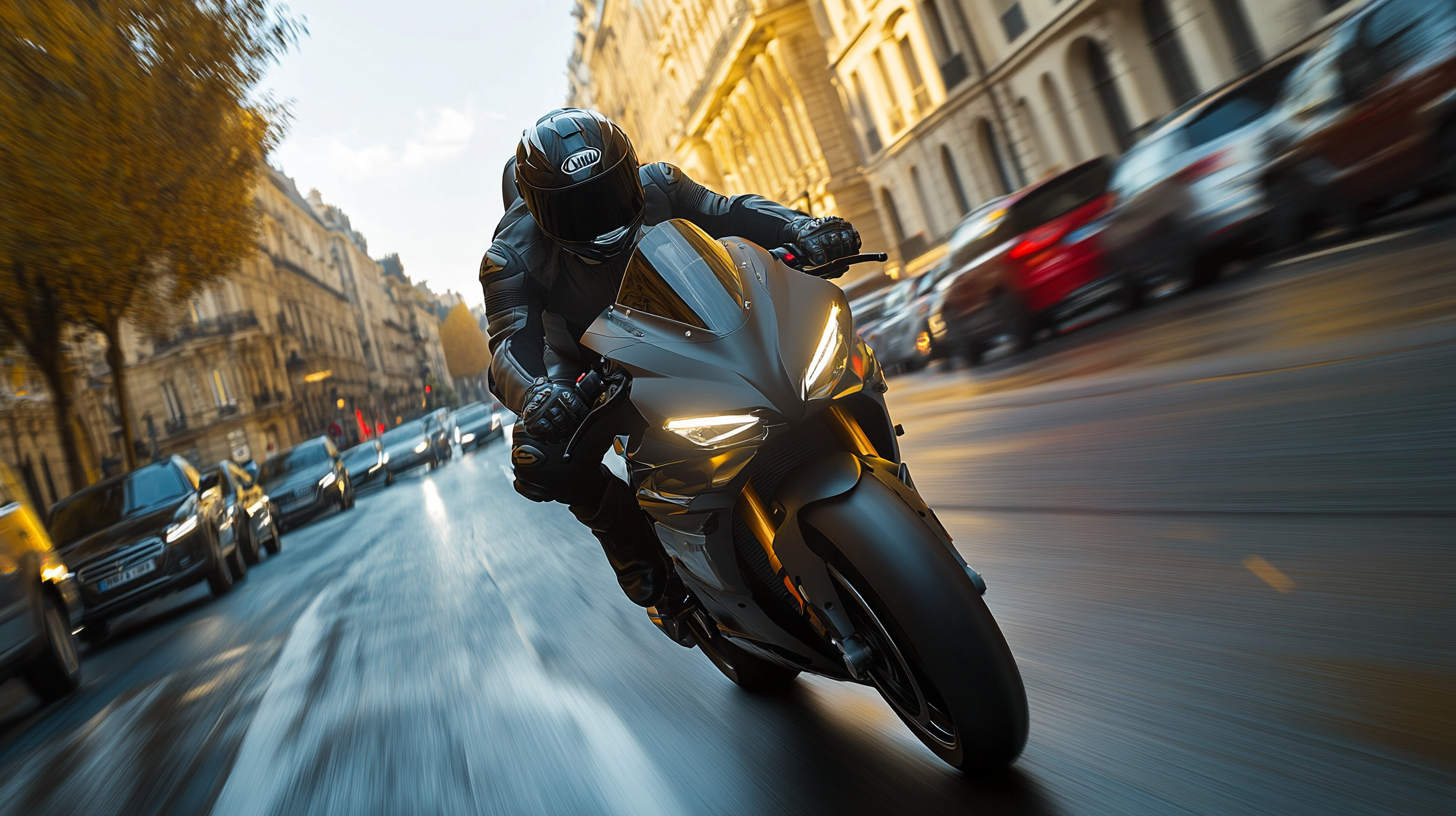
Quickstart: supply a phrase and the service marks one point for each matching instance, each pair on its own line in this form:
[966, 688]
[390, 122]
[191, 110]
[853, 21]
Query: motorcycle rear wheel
[938, 657]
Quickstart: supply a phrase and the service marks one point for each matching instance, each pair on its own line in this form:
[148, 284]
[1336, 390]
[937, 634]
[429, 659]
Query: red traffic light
[427, 389]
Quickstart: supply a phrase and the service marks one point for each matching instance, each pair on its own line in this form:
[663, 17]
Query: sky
[404, 115]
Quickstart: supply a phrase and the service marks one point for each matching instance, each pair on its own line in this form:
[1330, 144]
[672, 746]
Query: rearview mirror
[208, 482]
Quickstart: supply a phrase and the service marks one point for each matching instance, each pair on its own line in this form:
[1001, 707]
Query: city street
[1217, 533]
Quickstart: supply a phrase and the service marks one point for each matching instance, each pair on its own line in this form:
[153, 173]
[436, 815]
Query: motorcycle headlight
[714, 431]
[181, 528]
[829, 360]
[328, 479]
[420, 448]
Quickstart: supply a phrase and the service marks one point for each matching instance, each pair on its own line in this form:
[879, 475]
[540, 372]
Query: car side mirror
[208, 482]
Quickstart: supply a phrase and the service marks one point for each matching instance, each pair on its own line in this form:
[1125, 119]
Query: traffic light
[427, 389]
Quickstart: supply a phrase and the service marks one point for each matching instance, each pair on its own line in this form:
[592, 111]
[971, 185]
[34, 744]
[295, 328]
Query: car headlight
[181, 528]
[494, 421]
[713, 431]
[328, 479]
[385, 459]
[457, 433]
[420, 448]
[466, 439]
[829, 360]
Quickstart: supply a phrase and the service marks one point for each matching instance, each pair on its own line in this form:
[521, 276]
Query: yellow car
[40, 606]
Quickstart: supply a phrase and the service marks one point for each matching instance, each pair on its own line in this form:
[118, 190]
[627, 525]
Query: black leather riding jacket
[540, 299]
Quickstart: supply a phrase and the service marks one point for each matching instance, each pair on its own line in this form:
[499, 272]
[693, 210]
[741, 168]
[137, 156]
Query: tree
[130, 154]
[467, 354]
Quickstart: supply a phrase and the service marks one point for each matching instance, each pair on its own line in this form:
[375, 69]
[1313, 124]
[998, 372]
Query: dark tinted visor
[595, 207]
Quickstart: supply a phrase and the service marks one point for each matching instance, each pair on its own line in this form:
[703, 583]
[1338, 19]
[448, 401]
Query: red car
[1025, 262]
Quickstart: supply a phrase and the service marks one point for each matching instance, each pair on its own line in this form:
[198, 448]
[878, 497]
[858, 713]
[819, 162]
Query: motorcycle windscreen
[679, 273]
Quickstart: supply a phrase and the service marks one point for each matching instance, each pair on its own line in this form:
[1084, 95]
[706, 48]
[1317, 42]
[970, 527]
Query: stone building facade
[958, 101]
[733, 91]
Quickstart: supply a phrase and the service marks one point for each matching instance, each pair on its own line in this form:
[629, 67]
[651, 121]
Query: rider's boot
[630, 544]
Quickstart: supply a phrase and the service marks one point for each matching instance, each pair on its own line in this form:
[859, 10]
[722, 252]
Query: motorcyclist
[573, 214]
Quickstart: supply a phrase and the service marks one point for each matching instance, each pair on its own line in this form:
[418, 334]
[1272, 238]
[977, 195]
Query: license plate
[130, 575]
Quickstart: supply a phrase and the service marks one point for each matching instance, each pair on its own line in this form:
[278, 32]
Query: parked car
[1188, 195]
[478, 423]
[410, 445]
[306, 480]
[40, 605]
[867, 310]
[368, 464]
[250, 510]
[1369, 117]
[1026, 262]
[136, 537]
[901, 339]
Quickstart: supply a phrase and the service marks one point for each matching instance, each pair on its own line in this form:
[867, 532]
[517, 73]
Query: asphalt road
[1218, 534]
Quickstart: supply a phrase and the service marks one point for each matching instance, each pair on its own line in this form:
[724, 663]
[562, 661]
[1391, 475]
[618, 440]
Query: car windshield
[300, 458]
[107, 503]
[361, 454]
[1240, 107]
[978, 233]
[398, 434]
[679, 273]
[1061, 195]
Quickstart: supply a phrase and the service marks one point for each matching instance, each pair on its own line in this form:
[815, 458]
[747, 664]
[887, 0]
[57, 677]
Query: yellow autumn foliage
[466, 352]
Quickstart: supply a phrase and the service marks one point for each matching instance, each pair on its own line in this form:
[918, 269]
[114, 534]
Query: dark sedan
[306, 480]
[251, 510]
[368, 464]
[410, 445]
[478, 423]
[134, 538]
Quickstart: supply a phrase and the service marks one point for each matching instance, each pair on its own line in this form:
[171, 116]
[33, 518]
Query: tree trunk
[50, 365]
[40, 336]
[116, 361]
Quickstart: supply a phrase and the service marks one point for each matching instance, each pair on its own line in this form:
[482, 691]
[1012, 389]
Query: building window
[991, 146]
[947, 163]
[1105, 85]
[171, 401]
[897, 228]
[917, 79]
[952, 64]
[866, 115]
[922, 199]
[897, 119]
[220, 393]
[1013, 21]
[1163, 37]
[1241, 39]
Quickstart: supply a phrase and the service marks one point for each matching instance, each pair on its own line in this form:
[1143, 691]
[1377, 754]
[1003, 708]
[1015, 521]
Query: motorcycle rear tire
[920, 596]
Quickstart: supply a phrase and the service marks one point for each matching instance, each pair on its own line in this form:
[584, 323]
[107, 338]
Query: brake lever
[617, 386]
[838, 267]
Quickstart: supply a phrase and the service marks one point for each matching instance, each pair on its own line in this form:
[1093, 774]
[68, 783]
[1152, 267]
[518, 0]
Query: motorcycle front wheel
[938, 657]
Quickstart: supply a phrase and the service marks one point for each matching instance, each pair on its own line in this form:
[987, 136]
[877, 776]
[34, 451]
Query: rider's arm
[764, 222]
[513, 320]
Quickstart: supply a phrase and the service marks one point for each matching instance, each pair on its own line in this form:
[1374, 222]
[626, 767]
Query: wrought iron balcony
[207, 327]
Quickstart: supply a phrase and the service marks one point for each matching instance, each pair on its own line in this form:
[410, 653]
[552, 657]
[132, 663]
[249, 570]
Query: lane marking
[1379, 239]
[1269, 573]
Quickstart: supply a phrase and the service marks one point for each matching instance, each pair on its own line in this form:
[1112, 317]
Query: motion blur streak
[449, 647]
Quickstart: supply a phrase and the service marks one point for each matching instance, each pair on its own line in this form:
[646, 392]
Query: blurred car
[1025, 262]
[410, 445]
[901, 339]
[40, 605]
[133, 538]
[866, 310]
[1189, 195]
[1368, 118]
[306, 480]
[367, 464]
[478, 423]
[251, 511]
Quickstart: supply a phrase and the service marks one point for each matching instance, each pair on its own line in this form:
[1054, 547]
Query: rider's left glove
[821, 240]
[553, 410]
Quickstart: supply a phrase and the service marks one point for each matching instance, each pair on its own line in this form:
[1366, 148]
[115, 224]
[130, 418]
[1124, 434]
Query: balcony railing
[207, 327]
[176, 424]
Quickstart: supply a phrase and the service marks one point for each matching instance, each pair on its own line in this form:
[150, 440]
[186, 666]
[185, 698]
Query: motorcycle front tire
[936, 647]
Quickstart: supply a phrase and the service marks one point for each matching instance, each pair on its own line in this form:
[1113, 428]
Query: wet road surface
[1218, 534]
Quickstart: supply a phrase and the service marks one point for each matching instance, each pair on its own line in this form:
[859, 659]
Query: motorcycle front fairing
[744, 336]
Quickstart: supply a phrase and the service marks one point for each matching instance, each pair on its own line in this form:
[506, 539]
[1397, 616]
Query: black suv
[134, 538]
[306, 480]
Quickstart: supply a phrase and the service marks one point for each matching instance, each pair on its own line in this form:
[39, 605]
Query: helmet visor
[593, 209]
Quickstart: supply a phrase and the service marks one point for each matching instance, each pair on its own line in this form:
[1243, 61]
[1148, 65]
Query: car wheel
[238, 561]
[349, 492]
[219, 576]
[96, 631]
[1289, 215]
[274, 544]
[56, 671]
[251, 552]
[388, 478]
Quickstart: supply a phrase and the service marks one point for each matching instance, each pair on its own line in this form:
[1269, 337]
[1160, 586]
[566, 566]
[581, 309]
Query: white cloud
[447, 138]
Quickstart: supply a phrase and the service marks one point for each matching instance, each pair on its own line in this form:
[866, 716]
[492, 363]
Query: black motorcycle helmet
[577, 172]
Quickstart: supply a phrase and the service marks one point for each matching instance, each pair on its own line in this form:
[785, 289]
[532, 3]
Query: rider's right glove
[822, 240]
[553, 410]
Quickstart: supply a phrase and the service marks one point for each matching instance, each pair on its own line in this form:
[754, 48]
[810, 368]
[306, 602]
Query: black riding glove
[553, 410]
[821, 240]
